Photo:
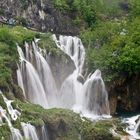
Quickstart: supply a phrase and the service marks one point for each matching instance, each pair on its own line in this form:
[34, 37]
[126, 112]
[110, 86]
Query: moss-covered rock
[9, 37]
[4, 132]
[64, 124]
[2, 103]
[8, 54]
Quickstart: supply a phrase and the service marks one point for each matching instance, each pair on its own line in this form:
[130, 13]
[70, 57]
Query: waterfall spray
[90, 97]
[36, 79]
[133, 127]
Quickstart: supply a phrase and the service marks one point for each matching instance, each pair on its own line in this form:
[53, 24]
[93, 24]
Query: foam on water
[133, 126]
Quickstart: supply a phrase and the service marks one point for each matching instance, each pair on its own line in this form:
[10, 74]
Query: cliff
[39, 14]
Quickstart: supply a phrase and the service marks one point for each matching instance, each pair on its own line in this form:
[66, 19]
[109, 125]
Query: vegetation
[26, 3]
[4, 132]
[114, 46]
[8, 55]
[9, 38]
[111, 33]
[66, 124]
[90, 11]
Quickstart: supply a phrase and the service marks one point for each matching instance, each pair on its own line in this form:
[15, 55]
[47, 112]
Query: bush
[114, 48]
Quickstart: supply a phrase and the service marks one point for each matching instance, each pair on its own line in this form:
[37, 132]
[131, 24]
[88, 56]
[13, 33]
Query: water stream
[29, 131]
[133, 127]
[89, 97]
[84, 95]
[38, 84]
[15, 133]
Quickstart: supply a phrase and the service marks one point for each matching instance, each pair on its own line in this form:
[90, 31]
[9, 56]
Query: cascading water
[46, 77]
[16, 135]
[90, 97]
[13, 112]
[71, 87]
[35, 77]
[32, 84]
[95, 95]
[29, 131]
[36, 80]
[44, 135]
[133, 126]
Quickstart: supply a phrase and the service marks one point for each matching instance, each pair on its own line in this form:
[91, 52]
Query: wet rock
[61, 66]
[124, 94]
[39, 14]
[81, 79]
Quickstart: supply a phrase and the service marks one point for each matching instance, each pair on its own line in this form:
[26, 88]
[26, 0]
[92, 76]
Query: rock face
[61, 67]
[124, 94]
[39, 14]
[66, 125]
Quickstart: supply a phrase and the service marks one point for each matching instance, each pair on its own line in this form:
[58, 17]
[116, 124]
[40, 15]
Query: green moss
[4, 132]
[49, 45]
[8, 52]
[62, 5]
[30, 113]
[9, 56]
[65, 123]
[95, 131]
[2, 103]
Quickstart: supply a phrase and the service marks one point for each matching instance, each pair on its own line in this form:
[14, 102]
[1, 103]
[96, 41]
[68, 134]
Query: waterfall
[73, 47]
[71, 87]
[20, 80]
[89, 97]
[133, 127]
[16, 135]
[44, 135]
[13, 112]
[32, 85]
[95, 94]
[36, 79]
[29, 131]
[46, 77]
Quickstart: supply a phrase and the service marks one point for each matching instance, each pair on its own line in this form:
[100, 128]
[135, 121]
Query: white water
[31, 83]
[35, 78]
[133, 126]
[29, 131]
[90, 98]
[13, 112]
[95, 95]
[20, 80]
[46, 77]
[44, 134]
[16, 135]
